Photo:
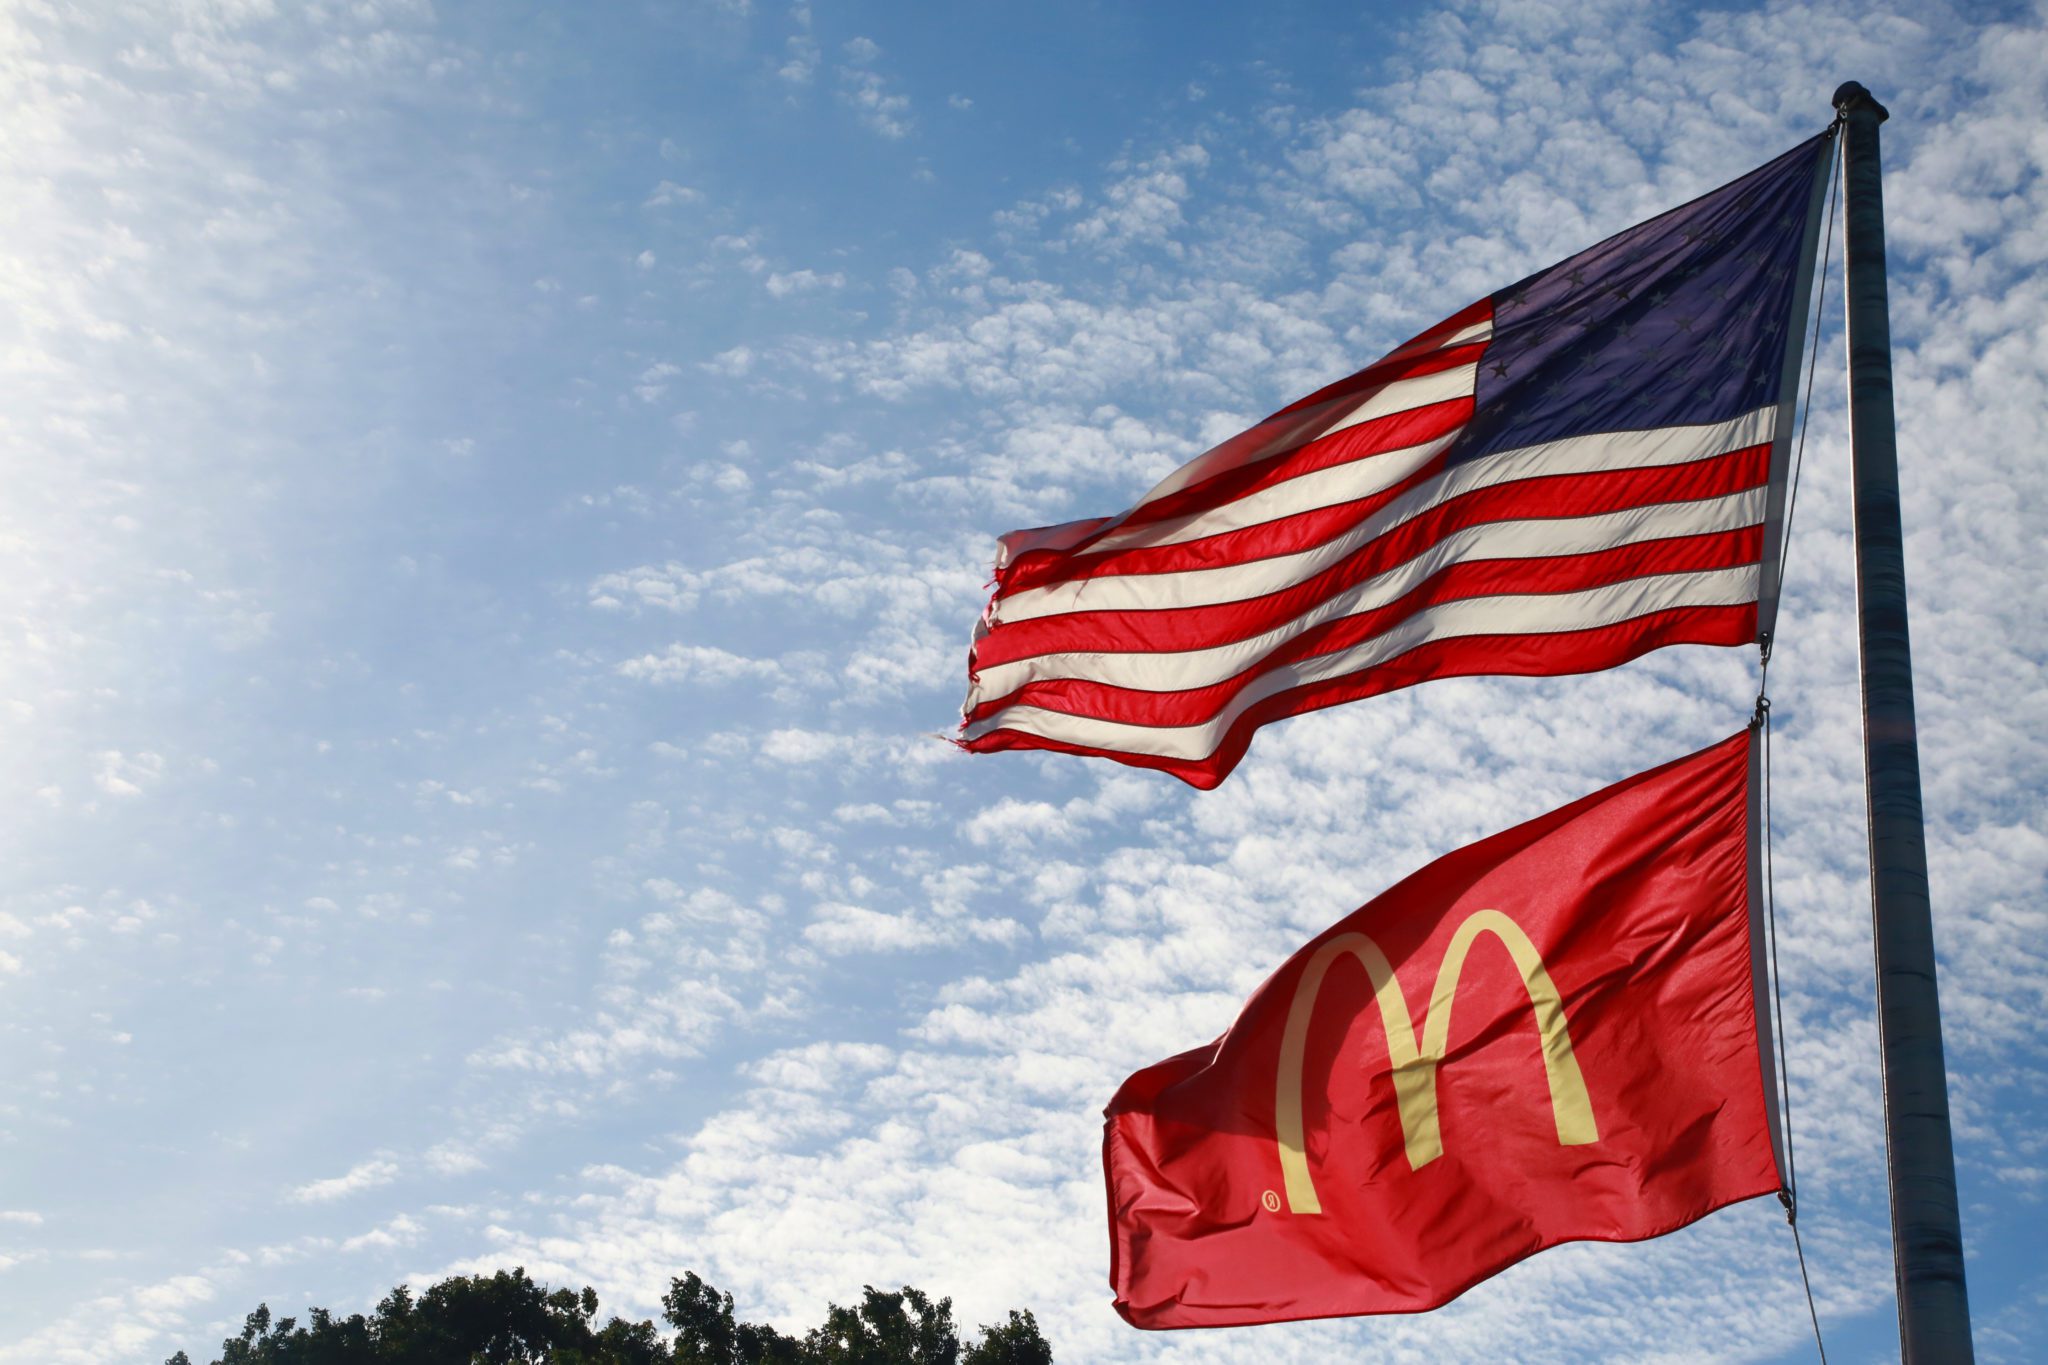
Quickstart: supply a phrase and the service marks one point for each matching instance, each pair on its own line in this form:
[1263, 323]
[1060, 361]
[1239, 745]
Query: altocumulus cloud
[745, 971]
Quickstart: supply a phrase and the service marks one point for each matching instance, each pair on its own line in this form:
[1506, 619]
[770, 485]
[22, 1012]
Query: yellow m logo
[1414, 1072]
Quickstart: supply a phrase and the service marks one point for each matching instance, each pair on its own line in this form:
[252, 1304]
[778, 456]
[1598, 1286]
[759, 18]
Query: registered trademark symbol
[1271, 1201]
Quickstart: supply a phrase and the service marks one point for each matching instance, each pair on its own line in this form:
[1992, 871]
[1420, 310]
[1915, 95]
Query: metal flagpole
[1927, 1237]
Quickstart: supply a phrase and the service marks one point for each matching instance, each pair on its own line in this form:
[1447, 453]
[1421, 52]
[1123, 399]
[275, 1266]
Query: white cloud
[802, 54]
[653, 381]
[856, 929]
[127, 775]
[366, 1175]
[668, 192]
[451, 1159]
[805, 746]
[819, 1067]
[1118, 795]
[899, 602]
[782, 284]
[681, 663]
[671, 1023]
[398, 1232]
[880, 109]
[731, 363]
[1145, 205]
[115, 1327]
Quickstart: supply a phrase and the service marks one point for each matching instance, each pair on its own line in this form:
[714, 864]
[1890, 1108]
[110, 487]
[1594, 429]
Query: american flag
[1578, 469]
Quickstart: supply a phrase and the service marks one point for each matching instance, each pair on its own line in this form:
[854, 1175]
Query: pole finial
[1851, 96]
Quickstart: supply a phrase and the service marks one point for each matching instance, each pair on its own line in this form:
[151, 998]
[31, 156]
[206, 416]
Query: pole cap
[1850, 96]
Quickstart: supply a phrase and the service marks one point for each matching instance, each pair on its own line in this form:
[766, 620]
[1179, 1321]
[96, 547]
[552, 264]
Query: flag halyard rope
[1789, 1196]
[1820, 303]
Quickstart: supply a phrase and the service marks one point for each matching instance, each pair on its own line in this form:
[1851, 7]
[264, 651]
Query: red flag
[1354, 1144]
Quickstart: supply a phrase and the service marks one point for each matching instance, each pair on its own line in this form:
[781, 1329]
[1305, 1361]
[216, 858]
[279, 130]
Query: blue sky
[497, 498]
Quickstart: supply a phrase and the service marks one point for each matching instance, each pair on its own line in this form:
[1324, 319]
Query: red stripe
[1555, 495]
[1429, 340]
[1173, 628]
[1458, 582]
[1512, 655]
[1397, 431]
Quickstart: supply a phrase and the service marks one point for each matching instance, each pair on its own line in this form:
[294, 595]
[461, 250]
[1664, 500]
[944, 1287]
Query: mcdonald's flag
[1556, 1034]
[1572, 471]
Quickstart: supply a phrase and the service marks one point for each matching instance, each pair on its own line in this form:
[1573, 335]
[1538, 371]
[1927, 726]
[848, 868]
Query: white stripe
[1354, 479]
[1473, 331]
[1403, 394]
[1478, 331]
[1162, 671]
[1062, 537]
[1347, 482]
[1286, 431]
[1281, 432]
[1542, 614]
[1237, 582]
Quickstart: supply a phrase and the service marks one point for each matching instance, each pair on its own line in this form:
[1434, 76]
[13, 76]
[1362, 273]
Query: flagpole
[1927, 1238]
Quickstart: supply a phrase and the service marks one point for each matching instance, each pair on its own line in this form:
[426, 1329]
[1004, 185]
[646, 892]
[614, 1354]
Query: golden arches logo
[1414, 1070]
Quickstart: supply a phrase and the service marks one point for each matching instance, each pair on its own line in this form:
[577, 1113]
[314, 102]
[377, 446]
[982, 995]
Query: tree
[1016, 1342]
[887, 1329]
[508, 1319]
[707, 1335]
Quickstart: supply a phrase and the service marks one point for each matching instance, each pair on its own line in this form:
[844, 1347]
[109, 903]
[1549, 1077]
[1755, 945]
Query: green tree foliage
[508, 1319]
[1016, 1342]
[706, 1333]
[887, 1329]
